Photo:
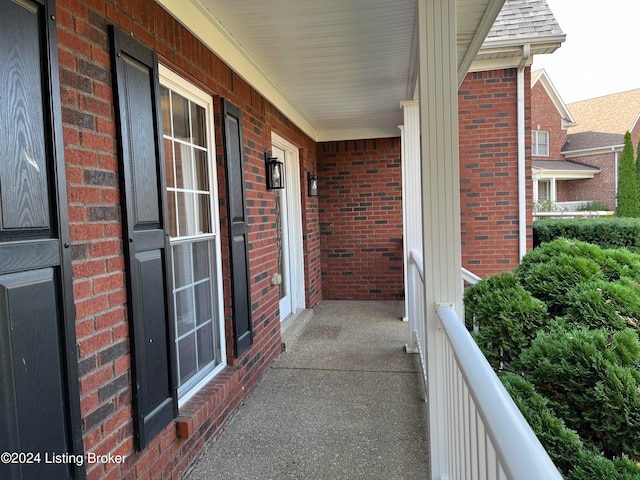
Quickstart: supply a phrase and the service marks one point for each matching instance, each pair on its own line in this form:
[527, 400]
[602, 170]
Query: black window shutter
[39, 392]
[146, 242]
[238, 229]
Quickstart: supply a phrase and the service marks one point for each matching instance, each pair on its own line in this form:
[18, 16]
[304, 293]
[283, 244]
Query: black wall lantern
[312, 184]
[275, 172]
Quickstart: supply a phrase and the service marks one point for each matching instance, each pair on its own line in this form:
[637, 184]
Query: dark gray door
[146, 241]
[238, 229]
[39, 395]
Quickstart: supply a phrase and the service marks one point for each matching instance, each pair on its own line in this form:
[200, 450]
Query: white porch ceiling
[338, 68]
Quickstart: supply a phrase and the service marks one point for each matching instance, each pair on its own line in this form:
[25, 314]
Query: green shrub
[620, 263]
[503, 317]
[607, 232]
[628, 197]
[602, 304]
[591, 380]
[565, 448]
[550, 281]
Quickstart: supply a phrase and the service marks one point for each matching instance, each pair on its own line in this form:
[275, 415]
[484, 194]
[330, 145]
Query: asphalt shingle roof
[615, 113]
[562, 165]
[524, 19]
[587, 140]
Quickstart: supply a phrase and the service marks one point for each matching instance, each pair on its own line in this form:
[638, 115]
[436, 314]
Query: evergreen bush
[550, 280]
[602, 304]
[564, 446]
[628, 197]
[503, 317]
[591, 380]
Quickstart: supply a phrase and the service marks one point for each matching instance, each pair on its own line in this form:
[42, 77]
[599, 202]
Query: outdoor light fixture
[312, 182]
[275, 172]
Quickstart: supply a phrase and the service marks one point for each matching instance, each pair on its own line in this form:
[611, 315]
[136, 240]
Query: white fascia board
[509, 54]
[593, 151]
[551, 40]
[215, 37]
[497, 63]
[566, 174]
[490, 15]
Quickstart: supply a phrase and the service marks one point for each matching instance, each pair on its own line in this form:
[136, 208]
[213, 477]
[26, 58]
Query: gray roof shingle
[524, 19]
[588, 140]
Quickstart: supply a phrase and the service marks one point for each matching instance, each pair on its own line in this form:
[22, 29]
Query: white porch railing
[480, 427]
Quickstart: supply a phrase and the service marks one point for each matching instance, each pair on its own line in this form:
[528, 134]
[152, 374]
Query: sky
[601, 53]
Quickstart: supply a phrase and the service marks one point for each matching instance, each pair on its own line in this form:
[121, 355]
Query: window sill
[211, 404]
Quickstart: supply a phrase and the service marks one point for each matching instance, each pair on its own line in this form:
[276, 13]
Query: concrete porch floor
[344, 401]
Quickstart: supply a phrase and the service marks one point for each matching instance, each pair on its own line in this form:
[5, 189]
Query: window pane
[186, 217]
[185, 316]
[201, 170]
[165, 101]
[199, 122]
[180, 117]
[171, 204]
[201, 256]
[168, 161]
[184, 166]
[204, 214]
[203, 302]
[187, 357]
[182, 265]
[205, 345]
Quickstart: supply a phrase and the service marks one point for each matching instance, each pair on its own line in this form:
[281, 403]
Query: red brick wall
[96, 231]
[601, 187]
[487, 105]
[360, 188]
[545, 116]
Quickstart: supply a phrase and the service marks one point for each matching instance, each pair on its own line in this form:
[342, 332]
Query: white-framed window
[539, 143]
[544, 191]
[194, 229]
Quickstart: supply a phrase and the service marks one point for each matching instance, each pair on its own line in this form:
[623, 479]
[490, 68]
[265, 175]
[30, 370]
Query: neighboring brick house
[145, 267]
[577, 146]
[552, 174]
[597, 139]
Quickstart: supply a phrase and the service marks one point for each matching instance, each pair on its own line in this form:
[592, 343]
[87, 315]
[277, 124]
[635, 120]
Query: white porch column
[441, 199]
[411, 204]
[553, 191]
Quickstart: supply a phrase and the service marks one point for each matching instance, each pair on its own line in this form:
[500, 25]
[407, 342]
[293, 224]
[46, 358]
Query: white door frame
[294, 262]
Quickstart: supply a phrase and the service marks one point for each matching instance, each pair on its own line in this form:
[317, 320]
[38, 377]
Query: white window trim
[181, 86]
[535, 150]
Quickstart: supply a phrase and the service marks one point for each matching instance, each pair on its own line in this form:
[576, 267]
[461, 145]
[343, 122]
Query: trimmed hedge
[590, 380]
[566, 449]
[563, 331]
[505, 318]
[607, 232]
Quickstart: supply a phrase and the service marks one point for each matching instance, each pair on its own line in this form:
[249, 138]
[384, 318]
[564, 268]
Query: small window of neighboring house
[192, 199]
[544, 191]
[540, 143]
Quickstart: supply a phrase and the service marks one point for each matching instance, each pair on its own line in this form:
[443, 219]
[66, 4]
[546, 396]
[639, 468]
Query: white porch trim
[438, 80]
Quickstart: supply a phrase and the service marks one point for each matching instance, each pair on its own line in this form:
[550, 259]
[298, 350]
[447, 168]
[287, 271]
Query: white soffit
[338, 69]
